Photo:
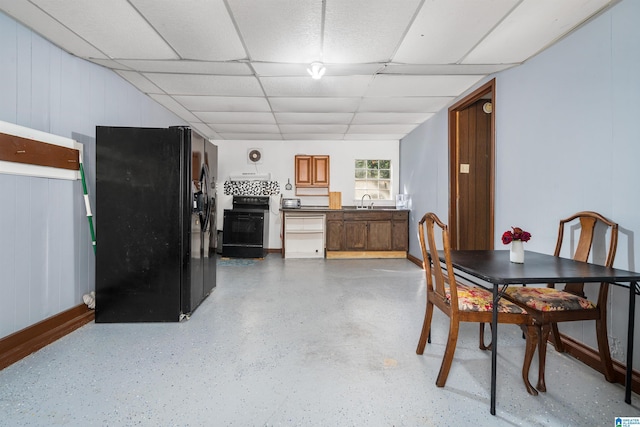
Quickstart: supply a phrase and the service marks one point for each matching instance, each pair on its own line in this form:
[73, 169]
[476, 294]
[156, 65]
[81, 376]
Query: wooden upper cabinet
[312, 171]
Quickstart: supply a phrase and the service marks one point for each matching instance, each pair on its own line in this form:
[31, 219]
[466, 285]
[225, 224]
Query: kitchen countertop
[343, 209]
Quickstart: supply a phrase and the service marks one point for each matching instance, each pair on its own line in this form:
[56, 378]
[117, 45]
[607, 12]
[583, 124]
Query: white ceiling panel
[460, 22]
[390, 118]
[395, 137]
[196, 29]
[531, 27]
[314, 118]
[315, 105]
[236, 117]
[237, 69]
[311, 128]
[244, 128]
[305, 86]
[313, 136]
[176, 108]
[365, 30]
[271, 69]
[204, 130]
[189, 67]
[200, 84]
[393, 85]
[424, 104]
[35, 18]
[446, 69]
[112, 25]
[223, 103]
[251, 136]
[388, 129]
[280, 31]
[139, 81]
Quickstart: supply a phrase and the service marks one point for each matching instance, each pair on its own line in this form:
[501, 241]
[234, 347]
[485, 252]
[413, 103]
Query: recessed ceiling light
[316, 70]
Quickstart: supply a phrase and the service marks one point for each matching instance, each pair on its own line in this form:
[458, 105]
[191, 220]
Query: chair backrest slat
[588, 222]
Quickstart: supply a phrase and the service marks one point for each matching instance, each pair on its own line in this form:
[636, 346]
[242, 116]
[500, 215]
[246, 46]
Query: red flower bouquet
[517, 234]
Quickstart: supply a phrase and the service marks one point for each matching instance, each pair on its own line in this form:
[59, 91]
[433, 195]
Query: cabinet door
[335, 235]
[401, 235]
[355, 235]
[379, 236]
[304, 171]
[320, 171]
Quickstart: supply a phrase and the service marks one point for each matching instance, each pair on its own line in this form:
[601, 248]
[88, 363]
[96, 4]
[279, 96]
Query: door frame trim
[479, 93]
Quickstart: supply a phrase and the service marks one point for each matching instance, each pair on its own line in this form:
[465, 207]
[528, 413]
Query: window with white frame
[373, 177]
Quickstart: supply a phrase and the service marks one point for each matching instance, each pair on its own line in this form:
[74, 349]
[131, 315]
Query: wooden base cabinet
[369, 233]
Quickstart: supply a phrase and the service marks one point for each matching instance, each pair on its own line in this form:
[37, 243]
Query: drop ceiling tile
[422, 104]
[173, 106]
[314, 105]
[313, 128]
[374, 137]
[109, 63]
[382, 129]
[360, 31]
[244, 128]
[139, 81]
[394, 85]
[284, 70]
[236, 117]
[312, 136]
[390, 118]
[196, 84]
[112, 25]
[204, 130]
[461, 23]
[314, 118]
[33, 17]
[223, 103]
[250, 136]
[189, 67]
[331, 86]
[447, 69]
[200, 29]
[282, 31]
[530, 28]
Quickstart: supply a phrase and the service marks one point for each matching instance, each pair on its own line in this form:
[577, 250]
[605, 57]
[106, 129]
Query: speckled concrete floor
[297, 343]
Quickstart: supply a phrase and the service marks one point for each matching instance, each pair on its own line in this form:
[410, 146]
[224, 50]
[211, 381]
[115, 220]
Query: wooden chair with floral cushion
[462, 302]
[549, 306]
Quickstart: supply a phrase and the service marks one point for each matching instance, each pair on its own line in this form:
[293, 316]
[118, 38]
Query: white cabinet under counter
[303, 234]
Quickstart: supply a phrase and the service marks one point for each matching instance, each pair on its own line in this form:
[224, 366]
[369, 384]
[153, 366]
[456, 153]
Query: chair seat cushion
[472, 298]
[549, 299]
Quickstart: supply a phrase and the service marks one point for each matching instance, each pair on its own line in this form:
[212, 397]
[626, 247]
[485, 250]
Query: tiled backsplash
[251, 188]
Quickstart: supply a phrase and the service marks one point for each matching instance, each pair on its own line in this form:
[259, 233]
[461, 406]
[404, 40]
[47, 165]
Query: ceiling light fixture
[316, 70]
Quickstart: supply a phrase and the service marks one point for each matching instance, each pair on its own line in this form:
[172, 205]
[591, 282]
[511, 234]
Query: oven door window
[243, 228]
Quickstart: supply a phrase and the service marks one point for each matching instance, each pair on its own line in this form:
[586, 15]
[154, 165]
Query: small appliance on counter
[291, 204]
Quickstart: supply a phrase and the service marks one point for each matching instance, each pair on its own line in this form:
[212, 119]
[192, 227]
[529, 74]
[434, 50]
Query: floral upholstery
[549, 299]
[472, 298]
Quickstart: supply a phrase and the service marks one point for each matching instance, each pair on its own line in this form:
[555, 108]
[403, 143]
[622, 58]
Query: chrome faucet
[362, 202]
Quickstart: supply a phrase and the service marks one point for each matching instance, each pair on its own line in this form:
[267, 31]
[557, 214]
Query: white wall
[567, 134]
[278, 159]
[46, 259]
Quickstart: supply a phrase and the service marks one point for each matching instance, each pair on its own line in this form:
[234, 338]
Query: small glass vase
[516, 254]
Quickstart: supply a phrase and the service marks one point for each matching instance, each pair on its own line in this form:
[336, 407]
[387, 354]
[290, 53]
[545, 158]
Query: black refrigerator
[155, 223]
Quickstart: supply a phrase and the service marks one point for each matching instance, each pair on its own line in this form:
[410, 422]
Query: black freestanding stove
[245, 228]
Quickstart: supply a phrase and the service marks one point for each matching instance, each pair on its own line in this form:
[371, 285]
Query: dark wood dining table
[494, 268]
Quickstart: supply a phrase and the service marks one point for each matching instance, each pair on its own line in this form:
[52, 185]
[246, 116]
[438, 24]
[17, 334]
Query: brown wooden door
[471, 170]
[304, 171]
[320, 171]
[473, 177]
[335, 235]
[355, 235]
[379, 236]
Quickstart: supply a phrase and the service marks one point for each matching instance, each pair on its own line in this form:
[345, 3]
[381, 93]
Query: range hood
[250, 176]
